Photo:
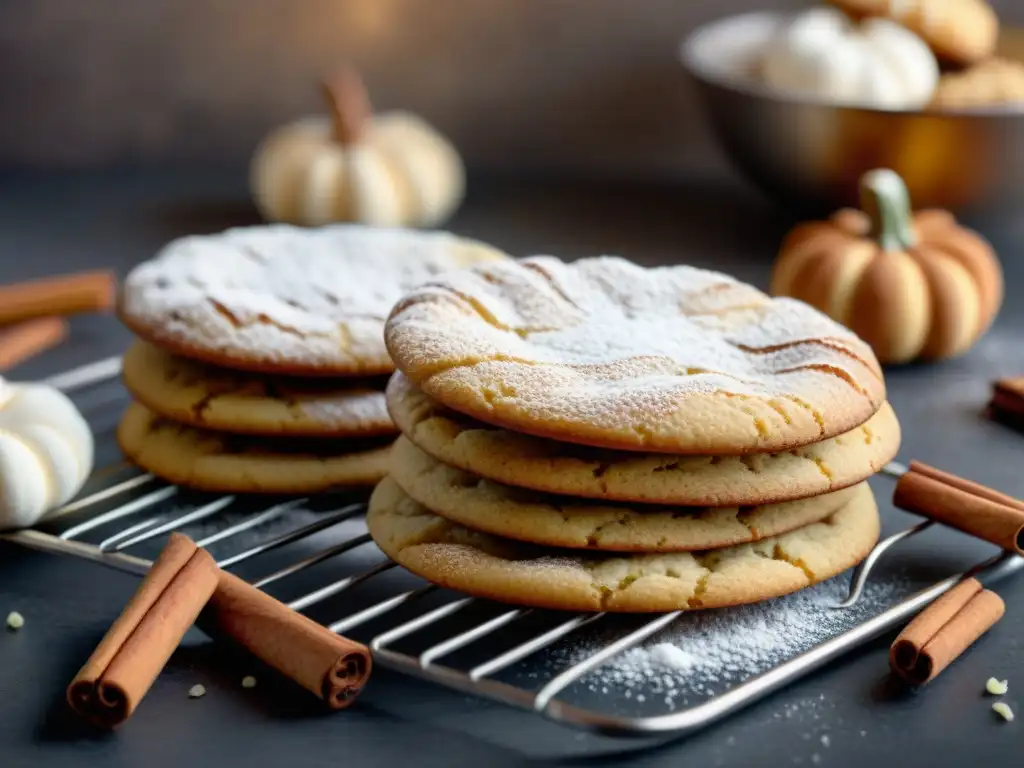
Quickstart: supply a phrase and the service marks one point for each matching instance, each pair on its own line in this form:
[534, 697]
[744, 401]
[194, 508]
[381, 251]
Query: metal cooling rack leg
[862, 572]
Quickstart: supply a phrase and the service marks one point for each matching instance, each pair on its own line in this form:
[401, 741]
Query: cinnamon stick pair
[944, 630]
[183, 581]
[961, 504]
[33, 312]
[949, 626]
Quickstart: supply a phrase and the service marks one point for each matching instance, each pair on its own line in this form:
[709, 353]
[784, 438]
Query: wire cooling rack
[315, 554]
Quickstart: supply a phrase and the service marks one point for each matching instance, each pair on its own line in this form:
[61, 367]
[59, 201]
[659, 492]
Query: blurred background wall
[572, 86]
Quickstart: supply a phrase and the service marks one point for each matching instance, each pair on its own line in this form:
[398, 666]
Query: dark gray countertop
[60, 223]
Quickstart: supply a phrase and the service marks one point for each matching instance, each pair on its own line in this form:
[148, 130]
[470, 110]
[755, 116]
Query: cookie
[213, 461]
[286, 300]
[654, 478]
[960, 31]
[564, 521]
[214, 398]
[500, 569]
[606, 353]
[992, 83]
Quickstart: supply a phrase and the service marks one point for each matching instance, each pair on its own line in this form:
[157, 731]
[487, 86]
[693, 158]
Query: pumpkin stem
[349, 104]
[886, 201]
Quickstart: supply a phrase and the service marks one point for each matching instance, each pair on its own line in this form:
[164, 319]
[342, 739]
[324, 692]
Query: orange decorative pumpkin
[913, 286]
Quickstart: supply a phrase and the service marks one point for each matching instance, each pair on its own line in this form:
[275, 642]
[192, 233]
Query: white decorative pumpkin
[388, 170]
[822, 53]
[46, 452]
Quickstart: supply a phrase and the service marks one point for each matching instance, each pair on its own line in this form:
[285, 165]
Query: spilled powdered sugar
[705, 653]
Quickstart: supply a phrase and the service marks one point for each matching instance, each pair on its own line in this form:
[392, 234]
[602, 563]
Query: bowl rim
[698, 68]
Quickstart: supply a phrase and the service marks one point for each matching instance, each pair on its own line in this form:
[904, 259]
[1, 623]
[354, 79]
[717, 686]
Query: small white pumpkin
[46, 452]
[383, 170]
[877, 63]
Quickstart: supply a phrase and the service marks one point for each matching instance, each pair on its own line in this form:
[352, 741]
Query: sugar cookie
[287, 300]
[212, 461]
[606, 353]
[509, 571]
[214, 398]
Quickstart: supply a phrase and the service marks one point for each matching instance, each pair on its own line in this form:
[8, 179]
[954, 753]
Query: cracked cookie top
[286, 300]
[606, 353]
[497, 568]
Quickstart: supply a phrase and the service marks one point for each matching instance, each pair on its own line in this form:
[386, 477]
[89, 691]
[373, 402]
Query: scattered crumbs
[15, 621]
[996, 687]
[248, 681]
[816, 758]
[825, 740]
[1002, 709]
[196, 691]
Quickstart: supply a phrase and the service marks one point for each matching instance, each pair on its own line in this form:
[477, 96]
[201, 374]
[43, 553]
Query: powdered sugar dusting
[705, 653]
[346, 408]
[607, 350]
[283, 293]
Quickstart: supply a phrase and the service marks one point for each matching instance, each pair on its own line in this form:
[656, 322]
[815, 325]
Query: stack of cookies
[260, 361]
[599, 436]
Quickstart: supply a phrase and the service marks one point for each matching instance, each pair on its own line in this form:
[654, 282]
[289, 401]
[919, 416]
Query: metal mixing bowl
[810, 154]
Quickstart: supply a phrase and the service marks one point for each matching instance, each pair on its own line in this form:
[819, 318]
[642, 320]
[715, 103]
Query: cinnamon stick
[330, 666]
[962, 504]
[64, 295]
[1007, 403]
[124, 665]
[944, 630]
[349, 104]
[25, 340]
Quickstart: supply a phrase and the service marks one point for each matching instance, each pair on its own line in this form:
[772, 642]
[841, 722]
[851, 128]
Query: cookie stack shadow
[501, 487]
